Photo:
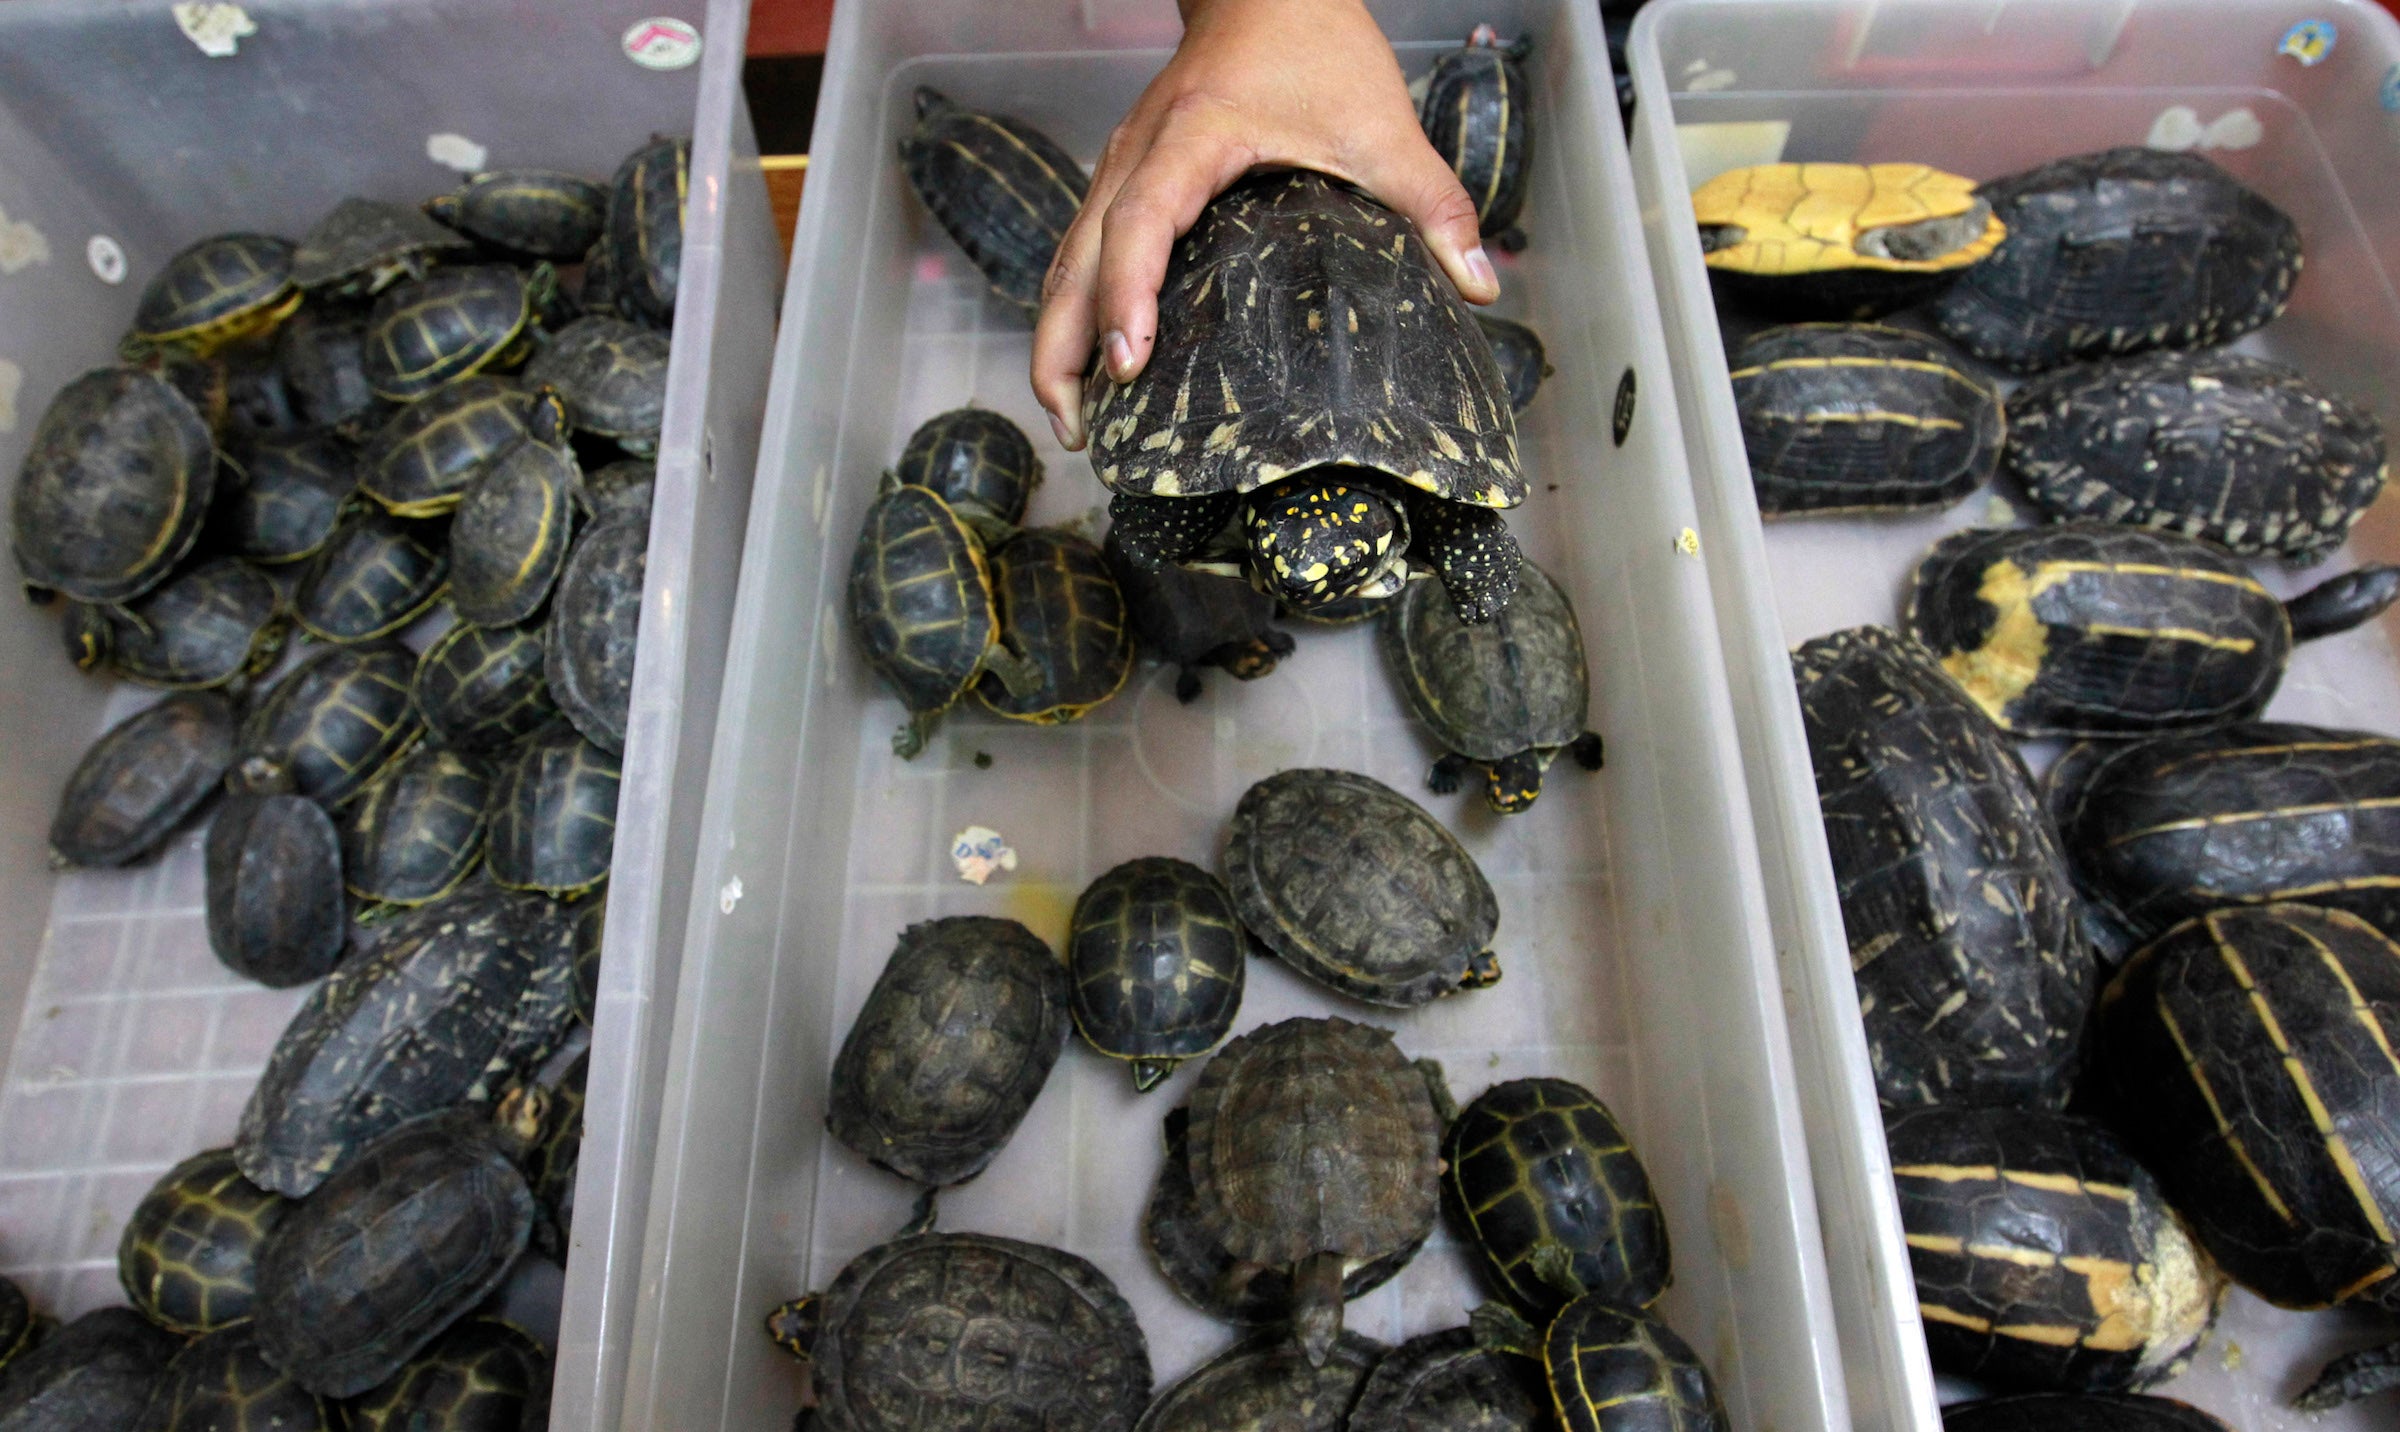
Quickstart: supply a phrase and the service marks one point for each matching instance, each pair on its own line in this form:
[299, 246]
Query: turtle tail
[1317, 1306]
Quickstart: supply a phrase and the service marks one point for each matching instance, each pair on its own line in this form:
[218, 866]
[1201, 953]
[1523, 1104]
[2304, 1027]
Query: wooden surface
[786, 174]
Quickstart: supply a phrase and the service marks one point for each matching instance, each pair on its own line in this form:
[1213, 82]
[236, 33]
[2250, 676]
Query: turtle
[542, 1118]
[2241, 1054]
[1508, 694]
[1523, 361]
[330, 724]
[624, 486]
[540, 213]
[21, 1329]
[1353, 885]
[1157, 960]
[586, 934]
[417, 830]
[595, 619]
[2091, 629]
[274, 872]
[2078, 1412]
[217, 621]
[2347, 1378]
[322, 355]
[646, 203]
[976, 459]
[510, 533]
[186, 1259]
[1001, 189]
[1477, 111]
[2118, 251]
[1315, 1147]
[1966, 945]
[1061, 610]
[1379, 439]
[1842, 241]
[114, 487]
[142, 779]
[1263, 1383]
[1541, 1181]
[364, 246]
[2045, 1256]
[1194, 619]
[613, 375]
[456, 999]
[219, 291]
[222, 1382]
[951, 1048]
[1842, 418]
[1611, 1368]
[2242, 451]
[1019, 1335]
[480, 689]
[279, 496]
[1449, 1380]
[422, 462]
[419, 1228]
[452, 323]
[482, 1375]
[552, 816]
[375, 575]
[97, 1371]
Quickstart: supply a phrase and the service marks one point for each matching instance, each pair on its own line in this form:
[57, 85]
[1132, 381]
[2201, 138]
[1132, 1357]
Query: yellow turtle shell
[1793, 219]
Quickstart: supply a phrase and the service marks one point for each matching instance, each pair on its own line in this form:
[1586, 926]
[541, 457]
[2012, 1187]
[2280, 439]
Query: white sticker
[21, 244]
[456, 151]
[2234, 129]
[661, 42]
[1687, 543]
[2178, 127]
[978, 852]
[730, 896]
[1712, 80]
[12, 378]
[107, 258]
[217, 29]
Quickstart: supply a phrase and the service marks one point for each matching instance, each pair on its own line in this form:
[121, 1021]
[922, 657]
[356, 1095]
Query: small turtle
[1857, 417]
[483, 1375]
[998, 187]
[365, 246]
[1194, 619]
[976, 460]
[2243, 451]
[1061, 610]
[542, 1117]
[417, 830]
[274, 871]
[217, 292]
[422, 462]
[142, 779]
[623, 487]
[186, 1258]
[2121, 250]
[210, 624]
[222, 1382]
[1315, 1147]
[481, 688]
[613, 375]
[1524, 363]
[114, 487]
[1449, 1380]
[322, 354]
[1355, 886]
[1158, 960]
[452, 323]
[596, 290]
[331, 723]
[375, 575]
[1508, 694]
[1477, 112]
[1612, 1369]
[97, 1371]
[418, 1229]
[540, 213]
[645, 228]
[1263, 1382]
[21, 1329]
[595, 619]
[553, 815]
[452, 1003]
[2081, 1412]
[280, 495]
[509, 536]
[1842, 241]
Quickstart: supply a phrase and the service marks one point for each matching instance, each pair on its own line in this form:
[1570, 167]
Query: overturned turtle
[1842, 241]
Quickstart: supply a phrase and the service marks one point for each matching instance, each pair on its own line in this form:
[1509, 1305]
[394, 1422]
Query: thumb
[1414, 180]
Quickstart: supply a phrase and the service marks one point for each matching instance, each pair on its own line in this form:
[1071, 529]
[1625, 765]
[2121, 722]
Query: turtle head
[1148, 1074]
[444, 209]
[1251, 659]
[547, 422]
[1514, 782]
[793, 1325]
[1320, 538]
[541, 292]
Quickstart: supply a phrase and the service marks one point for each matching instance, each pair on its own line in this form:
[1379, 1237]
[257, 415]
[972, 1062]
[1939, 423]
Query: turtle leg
[1471, 550]
[1015, 670]
[1588, 750]
[1317, 1305]
[2352, 1376]
[910, 739]
[922, 1214]
[1447, 774]
[1187, 684]
[1437, 1088]
[1554, 1263]
[1501, 1328]
[1156, 531]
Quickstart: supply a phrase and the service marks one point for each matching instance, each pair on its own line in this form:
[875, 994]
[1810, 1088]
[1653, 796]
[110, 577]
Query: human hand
[1309, 84]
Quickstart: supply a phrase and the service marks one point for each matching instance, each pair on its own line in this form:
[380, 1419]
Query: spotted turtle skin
[97, 1371]
[114, 488]
[552, 815]
[422, 461]
[275, 907]
[613, 375]
[1965, 942]
[1856, 417]
[450, 324]
[1191, 620]
[595, 619]
[321, 354]
[375, 575]
[280, 495]
[211, 624]
[481, 689]
[2118, 251]
[975, 459]
[510, 534]
[1612, 1369]
[414, 834]
[998, 187]
[142, 779]
[1263, 1384]
[187, 1256]
[1352, 884]
[218, 291]
[365, 246]
[1447, 1381]
[2045, 1256]
[1158, 961]
[1841, 241]
[2078, 1412]
[2242, 451]
[540, 213]
[222, 1382]
[483, 1375]
[330, 724]
[921, 602]
[1478, 114]
[1523, 361]
[1061, 610]
[647, 198]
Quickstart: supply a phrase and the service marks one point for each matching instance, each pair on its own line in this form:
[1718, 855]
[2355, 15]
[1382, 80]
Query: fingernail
[1060, 430]
[1479, 267]
[1120, 355]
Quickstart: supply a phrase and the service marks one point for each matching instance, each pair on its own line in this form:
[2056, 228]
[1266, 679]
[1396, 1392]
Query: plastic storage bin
[1985, 90]
[1632, 933]
[127, 1044]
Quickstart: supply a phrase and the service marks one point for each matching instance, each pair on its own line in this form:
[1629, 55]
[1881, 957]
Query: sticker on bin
[456, 151]
[107, 258]
[978, 852]
[218, 30]
[2309, 42]
[21, 244]
[2178, 126]
[661, 42]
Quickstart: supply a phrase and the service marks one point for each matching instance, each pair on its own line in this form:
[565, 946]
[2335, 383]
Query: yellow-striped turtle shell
[186, 1256]
[542, 213]
[1060, 608]
[1858, 417]
[218, 291]
[331, 723]
[449, 324]
[414, 834]
[553, 815]
[999, 187]
[1613, 1369]
[921, 602]
[1843, 240]
[1158, 961]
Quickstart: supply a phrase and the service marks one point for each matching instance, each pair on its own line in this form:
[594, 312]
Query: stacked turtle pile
[2187, 931]
[307, 449]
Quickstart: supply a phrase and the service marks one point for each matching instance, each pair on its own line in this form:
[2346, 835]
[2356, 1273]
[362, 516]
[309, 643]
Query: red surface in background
[798, 27]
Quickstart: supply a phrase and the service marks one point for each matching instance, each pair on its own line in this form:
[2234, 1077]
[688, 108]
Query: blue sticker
[2390, 93]
[2309, 42]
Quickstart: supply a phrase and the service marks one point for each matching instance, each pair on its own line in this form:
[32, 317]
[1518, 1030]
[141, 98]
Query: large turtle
[280, 495]
[998, 186]
[451, 323]
[595, 618]
[97, 1371]
[210, 624]
[275, 907]
[365, 246]
[216, 292]
[1263, 1382]
[114, 487]
[483, 1375]
[222, 1382]
[1319, 386]
[141, 779]
[613, 375]
[1842, 241]
[1194, 619]
[1158, 960]
[187, 1257]
[541, 213]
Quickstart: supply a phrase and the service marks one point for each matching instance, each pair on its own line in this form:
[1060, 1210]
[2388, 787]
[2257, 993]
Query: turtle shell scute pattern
[1516, 682]
[1611, 1367]
[187, 1258]
[1001, 189]
[925, 638]
[1450, 1381]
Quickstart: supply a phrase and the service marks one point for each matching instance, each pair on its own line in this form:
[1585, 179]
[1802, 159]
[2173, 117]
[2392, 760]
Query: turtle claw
[909, 741]
[1013, 670]
[1447, 774]
[1588, 750]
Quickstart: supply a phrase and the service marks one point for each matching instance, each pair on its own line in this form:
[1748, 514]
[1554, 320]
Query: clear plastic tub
[127, 1045]
[1632, 931]
[1984, 90]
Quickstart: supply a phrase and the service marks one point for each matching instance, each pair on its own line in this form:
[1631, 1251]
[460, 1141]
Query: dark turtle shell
[2078, 1412]
[1524, 363]
[222, 1382]
[645, 228]
[613, 375]
[2121, 250]
[976, 460]
[542, 1117]
[481, 688]
[2242, 451]
[375, 575]
[275, 908]
[1478, 114]
[1193, 619]
[218, 291]
[553, 815]
[1262, 1382]
[280, 495]
[456, 999]
[114, 487]
[416, 832]
[624, 487]
[953, 1043]
[1973, 975]
[451, 323]
[141, 779]
[20, 1328]
[1449, 1381]
[187, 1254]
[1061, 610]
[1355, 886]
[998, 187]
[1842, 241]
[365, 246]
[361, 1276]
[2044, 1255]
[211, 623]
[1158, 960]
[586, 935]
[256, 399]
[588, 645]
[509, 536]
[331, 723]
[97, 1371]
[322, 356]
[1612, 1369]
[921, 601]
[422, 461]
[540, 213]
[1857, 417]
[483, 1375]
